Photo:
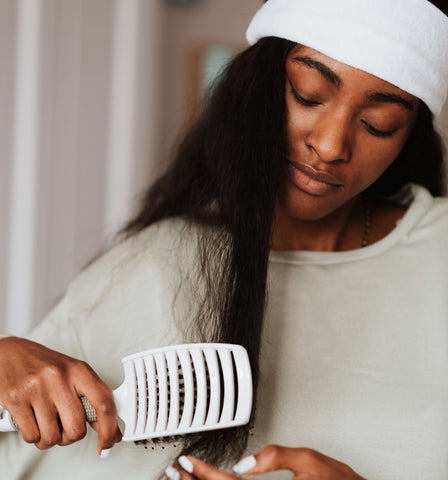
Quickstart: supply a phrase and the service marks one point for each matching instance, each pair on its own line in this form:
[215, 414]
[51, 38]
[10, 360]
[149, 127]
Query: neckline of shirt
[419, 200]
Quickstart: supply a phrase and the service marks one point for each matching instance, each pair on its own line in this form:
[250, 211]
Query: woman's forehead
[303, 57]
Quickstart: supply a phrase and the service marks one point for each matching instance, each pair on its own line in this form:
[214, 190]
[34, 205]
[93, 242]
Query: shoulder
[132, 298]
[427, 220]
[156, 247]
[415, 215]
[138, 276]
[435, 209]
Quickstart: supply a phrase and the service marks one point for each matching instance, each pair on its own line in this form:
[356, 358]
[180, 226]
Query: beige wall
[79, 120]
[187, 30]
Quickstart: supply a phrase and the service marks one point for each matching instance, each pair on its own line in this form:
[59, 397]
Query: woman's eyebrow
[332, 77]
[383, 97]
[325, 71]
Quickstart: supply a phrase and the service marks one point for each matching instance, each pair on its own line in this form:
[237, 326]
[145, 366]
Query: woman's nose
[330, 139]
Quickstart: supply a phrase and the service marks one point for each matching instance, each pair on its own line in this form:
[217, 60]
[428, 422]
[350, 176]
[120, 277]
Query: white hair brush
[178, 390]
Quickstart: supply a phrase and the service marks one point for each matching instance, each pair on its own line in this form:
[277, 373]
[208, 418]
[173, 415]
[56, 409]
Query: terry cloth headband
[404, 42]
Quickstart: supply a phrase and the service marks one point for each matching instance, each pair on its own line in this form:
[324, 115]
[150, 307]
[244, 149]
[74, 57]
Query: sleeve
[57, 332]
[134, 298]
[124, 303]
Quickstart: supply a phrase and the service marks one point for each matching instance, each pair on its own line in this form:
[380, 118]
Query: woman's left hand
[304, 463]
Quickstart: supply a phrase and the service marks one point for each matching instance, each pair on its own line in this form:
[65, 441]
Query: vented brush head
[184, 389]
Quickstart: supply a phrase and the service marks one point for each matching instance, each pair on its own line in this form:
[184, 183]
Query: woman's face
[344, 128]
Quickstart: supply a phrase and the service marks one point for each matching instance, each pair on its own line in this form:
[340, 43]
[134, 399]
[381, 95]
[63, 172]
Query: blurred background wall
[93, 94]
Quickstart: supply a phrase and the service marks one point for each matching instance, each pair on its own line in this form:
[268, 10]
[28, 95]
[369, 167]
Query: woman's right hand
[41, 389]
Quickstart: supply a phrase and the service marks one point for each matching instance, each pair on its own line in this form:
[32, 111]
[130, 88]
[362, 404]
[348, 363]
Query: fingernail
[105, 453]
[245, 465]
[185, 464]
[172, 473]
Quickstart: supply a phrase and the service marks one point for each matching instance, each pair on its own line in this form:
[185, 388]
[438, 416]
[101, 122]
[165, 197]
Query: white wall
[79, 123]
[188, 30]
[7, 60]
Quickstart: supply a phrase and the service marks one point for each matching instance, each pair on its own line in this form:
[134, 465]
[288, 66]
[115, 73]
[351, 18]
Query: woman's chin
[308, 208]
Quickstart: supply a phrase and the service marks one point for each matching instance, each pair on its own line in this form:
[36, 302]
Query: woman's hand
[41, 388]
[304, 463]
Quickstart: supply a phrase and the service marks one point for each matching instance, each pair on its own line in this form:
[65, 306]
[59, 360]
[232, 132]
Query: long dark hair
[227, 173]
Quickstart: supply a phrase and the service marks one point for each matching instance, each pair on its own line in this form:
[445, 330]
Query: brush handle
[90, 411]
[8, 424]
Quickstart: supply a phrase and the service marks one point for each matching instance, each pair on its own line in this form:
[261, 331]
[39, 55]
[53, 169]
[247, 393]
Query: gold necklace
[367, 224]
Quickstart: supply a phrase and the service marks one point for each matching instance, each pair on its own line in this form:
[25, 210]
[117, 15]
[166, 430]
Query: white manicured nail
[245, 465]
[185, 464]
[172, 473]
[105, 453]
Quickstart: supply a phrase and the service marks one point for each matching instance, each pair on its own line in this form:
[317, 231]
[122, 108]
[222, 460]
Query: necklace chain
[367, 224]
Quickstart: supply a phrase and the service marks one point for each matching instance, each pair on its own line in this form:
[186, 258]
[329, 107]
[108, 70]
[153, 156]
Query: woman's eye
[378, 133]
[303, 101]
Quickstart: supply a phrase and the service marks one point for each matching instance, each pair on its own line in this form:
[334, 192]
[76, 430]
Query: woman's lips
[312, 181]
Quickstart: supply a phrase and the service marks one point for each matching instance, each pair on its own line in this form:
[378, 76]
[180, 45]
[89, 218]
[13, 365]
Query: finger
[101, 398]
[202, 470]
[106, 437]
[272, 458]
[26, 421]
[176, 473]
[73, 419]
[49, 425]
[118, 435]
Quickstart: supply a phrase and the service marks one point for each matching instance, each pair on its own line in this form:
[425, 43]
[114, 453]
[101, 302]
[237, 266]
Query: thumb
[97, 427]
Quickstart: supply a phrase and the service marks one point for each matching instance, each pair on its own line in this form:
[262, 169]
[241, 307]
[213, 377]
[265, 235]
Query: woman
[281, 192]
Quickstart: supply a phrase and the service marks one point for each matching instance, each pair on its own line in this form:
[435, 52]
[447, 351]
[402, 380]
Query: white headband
[404, 42]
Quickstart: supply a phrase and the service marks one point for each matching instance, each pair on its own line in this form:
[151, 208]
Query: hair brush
[178, 390]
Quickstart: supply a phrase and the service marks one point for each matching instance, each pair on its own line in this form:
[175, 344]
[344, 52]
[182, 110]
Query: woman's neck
[344, 229]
